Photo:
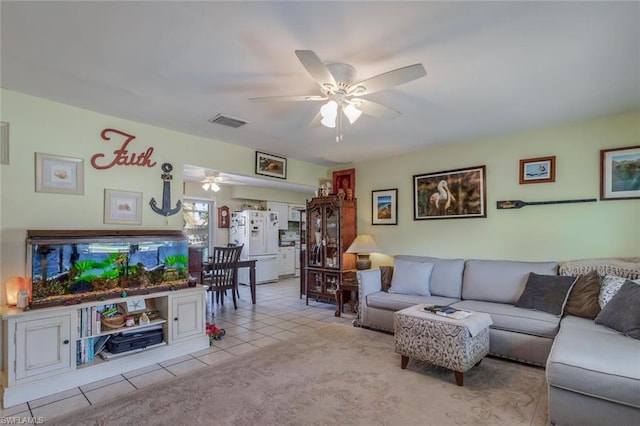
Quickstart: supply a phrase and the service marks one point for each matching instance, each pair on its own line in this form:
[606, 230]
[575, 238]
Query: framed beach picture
[58, 174]
[271, 165]
[620, 173]
[538, 170]
[384, 207]
[122, 207]
[452, 194]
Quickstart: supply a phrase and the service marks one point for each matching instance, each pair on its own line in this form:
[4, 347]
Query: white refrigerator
[258, 231]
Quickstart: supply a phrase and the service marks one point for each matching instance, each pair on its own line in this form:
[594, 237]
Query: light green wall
[39, 125]
[548, 232]
[557, 232]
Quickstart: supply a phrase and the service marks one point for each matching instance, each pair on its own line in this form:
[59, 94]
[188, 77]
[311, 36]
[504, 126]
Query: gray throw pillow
[411, 278]
[622, 312]
[547, 293]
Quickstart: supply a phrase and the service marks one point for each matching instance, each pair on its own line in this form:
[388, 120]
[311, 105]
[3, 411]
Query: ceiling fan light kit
[211, 186]
[336, 86]
[211, 182]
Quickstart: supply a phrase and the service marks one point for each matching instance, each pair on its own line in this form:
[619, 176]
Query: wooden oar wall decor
[516, 204]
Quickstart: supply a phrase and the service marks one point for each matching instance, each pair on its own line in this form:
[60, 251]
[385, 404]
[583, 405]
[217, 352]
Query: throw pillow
[621, 313]
[411, 278]
[386, 273]
[547, 293]
[583, 298]
[610, 286]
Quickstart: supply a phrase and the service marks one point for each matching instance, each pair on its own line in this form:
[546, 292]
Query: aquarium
[69, 267]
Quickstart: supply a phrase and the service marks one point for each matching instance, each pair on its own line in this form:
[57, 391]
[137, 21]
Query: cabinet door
[315, 226]
[187, 317]
[281, 260]
[283, 213]
[332, 237]
[289, 261]
[43, 345]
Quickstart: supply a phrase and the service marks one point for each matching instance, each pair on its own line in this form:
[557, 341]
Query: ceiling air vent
[226, 120]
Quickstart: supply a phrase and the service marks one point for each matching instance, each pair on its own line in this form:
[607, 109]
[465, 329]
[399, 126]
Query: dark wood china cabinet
[331, 228]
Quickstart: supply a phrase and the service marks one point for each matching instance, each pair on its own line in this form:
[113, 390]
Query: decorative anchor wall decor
[166, 209]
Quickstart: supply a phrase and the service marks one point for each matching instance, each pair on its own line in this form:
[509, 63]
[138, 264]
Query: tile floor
[279, 314]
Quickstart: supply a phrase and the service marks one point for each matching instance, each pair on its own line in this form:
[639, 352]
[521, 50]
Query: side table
[347, 285]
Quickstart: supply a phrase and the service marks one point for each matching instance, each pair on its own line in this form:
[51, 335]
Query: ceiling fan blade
[388, 79]
[374, 109]
[316, 120]
[289, 98]
[316, 68]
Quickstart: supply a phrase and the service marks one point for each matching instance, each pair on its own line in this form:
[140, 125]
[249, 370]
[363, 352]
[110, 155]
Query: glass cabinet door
[315, 225]
[332, 251]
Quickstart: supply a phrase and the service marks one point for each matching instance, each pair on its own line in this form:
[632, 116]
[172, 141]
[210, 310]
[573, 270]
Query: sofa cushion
[519, 320]
[500, 281]
[609, 287]
[593, 360]
[546, 293]
[411, 278]
[583, 298]
[622, 313]
[395, 302]
[446, 277]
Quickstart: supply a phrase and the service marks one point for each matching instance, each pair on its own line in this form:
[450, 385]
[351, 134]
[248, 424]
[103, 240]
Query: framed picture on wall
[122, 207]
[384, 207]
[620, 173]
[452, 194]
[344, 182]
[538, 170]
[58, 174]
[271, 165]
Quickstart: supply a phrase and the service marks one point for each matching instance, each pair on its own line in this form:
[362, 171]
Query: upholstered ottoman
[456, 344]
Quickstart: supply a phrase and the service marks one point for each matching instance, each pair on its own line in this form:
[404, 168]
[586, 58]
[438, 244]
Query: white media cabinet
[39, 346]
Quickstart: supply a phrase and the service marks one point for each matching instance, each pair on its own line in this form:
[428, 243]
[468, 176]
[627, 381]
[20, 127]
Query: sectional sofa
[593, 372]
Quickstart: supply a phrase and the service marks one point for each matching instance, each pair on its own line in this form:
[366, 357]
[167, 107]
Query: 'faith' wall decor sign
[122, 157]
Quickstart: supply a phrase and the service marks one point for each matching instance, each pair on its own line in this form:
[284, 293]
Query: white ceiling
[492, 67]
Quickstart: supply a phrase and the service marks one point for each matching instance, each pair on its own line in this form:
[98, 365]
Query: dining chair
[224, 269]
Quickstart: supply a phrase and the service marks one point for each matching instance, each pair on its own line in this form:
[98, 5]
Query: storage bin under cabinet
[40, 347]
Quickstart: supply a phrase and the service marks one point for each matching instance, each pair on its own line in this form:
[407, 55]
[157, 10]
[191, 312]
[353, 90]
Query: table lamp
[362, 246]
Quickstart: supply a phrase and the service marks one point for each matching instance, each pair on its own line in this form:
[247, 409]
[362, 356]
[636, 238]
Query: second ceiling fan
[343, 94]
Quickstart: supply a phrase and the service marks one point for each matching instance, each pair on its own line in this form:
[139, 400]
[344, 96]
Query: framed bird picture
[538, 170]
[451, 194]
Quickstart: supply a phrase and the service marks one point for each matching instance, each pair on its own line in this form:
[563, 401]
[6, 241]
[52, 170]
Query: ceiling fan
[212, 181]
[342, 94]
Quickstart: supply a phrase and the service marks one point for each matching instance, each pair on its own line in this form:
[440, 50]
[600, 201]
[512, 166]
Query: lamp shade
[12, 287]
[363, 244]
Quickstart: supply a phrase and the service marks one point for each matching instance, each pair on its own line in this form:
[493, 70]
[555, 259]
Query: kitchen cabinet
[283, 213]
[294, 212]
[331, 228]
[287, 260]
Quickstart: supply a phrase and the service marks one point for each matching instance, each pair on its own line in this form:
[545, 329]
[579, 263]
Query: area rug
[336, 375]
